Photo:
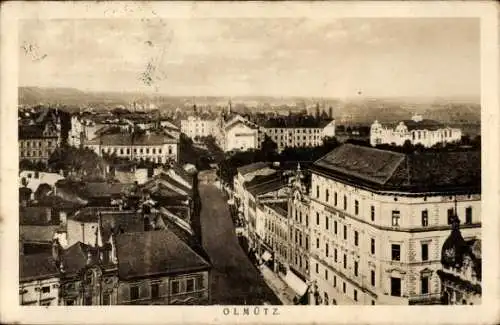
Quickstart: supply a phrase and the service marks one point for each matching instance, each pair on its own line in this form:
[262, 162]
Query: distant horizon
[358, 97]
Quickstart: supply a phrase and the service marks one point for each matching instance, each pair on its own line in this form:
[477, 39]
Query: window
[450, 215]
[395, 217]
[326, 274]
[345, 232]
[345, 261]
[46, 289]
[106, 299]
[395, 252]
[334, 281]
[373, 302]
[355, 295]
[317, 268]
[425, 218]
[317, 242]
[317, 192]
[344, 287]
[70, 302]
[372, 211]
[317, 218]
[159, 150]
[335, 255]
[356, 207]
[335, 198]
[372, 246]
[345, 202]
[175, 288]
[356, 238]
[424, 285]
[87, 301]
[425, 252]
[327, 195]
[307, 220]
[155, 290]
[468, 215]
[355, 268]
[121, 151]
[134, 292]
[300, 216]
[395, 287]
[169, 150]
[335, 227]
[307, 242]
[189, 285]
[326, 249]
[326, 222]
[372, 277]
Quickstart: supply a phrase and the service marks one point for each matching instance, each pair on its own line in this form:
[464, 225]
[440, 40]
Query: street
[234, 280]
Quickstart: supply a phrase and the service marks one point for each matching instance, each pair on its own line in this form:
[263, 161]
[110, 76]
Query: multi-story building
[379, 219]
[461, 272]
[196, 127]
[38, 141]
[153, 147]
[240, 134]
[299, 132]
[38, 280]
[417, 130]
[76, 133]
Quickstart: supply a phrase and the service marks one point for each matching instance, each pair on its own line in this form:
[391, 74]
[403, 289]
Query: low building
[152, 147]
[38, 280]
[417, 131]
[461, 272]
[157, 267]
[379, 219]
[196, 127]
[240, 134]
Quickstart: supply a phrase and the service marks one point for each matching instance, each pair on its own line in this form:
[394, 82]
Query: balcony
[427, 299]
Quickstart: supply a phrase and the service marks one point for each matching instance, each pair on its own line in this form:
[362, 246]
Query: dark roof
[252, 167]
[75, 258]
[294, 122]
[38, 234]
[161, 180]
[121, 222]
[279, 207]
[36, 216]
[424, 124]
[416, 172]
[155, 253]
[37, 266]
[266, 184]
[127, 139]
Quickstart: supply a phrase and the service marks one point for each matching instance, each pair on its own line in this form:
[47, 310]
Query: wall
[33, 294]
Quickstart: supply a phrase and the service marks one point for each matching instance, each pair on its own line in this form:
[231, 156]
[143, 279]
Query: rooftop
[37, 233]
[37, 266]
[279, 207]
[155, 253]
[252, 167]
[416, 172]
[128, 139]
[296, 122]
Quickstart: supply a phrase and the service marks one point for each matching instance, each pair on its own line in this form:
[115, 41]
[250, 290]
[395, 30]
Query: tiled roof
[37, 266]
[127, 139]
[39, 234]
[105, 189]
[279, 207]
[286, 122]
[416, 172]
[75, 258]
[35, 216]
[424, 124]
[265, 184]
[155, 253]
[252, 167]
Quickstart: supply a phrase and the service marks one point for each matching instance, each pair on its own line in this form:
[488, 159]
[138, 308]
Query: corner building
[379, 220]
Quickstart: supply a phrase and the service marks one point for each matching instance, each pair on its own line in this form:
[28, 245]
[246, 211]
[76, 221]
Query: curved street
[235, 280]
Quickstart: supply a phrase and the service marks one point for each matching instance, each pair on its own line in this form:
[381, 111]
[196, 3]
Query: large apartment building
[147, 146]
[417, 130]
[195, 126]
[378, 220]
[38, 141]
[299, 132]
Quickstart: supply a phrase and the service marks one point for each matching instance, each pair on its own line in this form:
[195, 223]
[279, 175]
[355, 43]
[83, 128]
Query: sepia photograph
[249, 162]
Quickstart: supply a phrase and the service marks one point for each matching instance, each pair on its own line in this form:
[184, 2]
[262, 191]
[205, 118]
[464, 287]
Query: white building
[76, 133]
[153, 147]
[196, 127]
[34, 178]
[305, 133]
[379, 220]
[240, 134]
[417, 131]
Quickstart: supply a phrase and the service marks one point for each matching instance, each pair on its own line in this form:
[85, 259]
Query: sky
[375, 57]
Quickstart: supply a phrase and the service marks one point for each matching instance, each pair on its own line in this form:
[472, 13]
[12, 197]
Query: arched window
[326, 298]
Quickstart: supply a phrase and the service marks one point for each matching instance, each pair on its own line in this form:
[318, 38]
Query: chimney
[63, 217]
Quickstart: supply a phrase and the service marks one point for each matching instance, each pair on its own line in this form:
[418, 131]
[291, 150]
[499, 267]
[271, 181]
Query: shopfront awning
[266, 256]
[296, 283]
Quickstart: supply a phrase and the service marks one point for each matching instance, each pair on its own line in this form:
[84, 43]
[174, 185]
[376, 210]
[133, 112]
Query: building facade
[157, 148]
[378, 222]
[240, 134]
[38, 280]
[37, 142]
[195, 127]
[417, 130]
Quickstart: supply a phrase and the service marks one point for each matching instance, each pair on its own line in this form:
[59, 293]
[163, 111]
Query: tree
[42, 190]
[268, 149]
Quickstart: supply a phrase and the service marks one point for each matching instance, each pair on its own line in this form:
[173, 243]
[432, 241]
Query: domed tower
[454, 247]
